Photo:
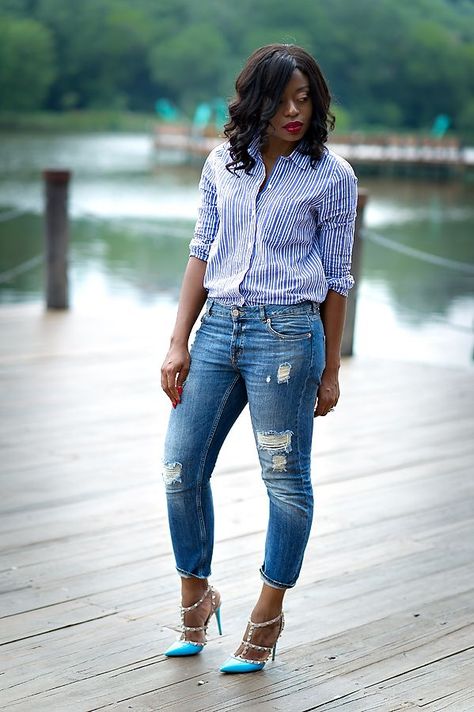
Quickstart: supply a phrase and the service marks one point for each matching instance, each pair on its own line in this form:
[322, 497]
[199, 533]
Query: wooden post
[347, 347]
[56, 238]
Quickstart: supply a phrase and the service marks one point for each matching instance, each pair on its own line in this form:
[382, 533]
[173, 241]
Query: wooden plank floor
[382, 617]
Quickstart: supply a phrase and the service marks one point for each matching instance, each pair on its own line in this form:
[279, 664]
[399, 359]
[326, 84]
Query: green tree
[190, 65]
[102, 49]
[27, 67]
[390, 63]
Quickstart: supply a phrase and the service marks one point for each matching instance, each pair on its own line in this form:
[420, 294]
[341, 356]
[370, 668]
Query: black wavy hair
[259, 87]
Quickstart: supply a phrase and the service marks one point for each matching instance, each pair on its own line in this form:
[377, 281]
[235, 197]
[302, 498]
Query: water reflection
[86, 154]
[132, 221]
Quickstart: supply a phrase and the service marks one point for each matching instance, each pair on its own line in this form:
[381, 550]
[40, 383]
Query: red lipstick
[293, 126]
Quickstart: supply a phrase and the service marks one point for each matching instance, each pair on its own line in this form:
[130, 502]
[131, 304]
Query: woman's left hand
[328, 392]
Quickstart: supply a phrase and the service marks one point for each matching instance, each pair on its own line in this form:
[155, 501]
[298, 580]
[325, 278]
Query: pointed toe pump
[183, 647]
[238, 663]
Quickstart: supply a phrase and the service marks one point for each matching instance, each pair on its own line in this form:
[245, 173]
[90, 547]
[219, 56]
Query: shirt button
[235, 312]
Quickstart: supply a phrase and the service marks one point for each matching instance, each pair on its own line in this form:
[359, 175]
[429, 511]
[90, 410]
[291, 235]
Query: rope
[11, 215]
[418, 254]
[19, 269]
[165, 229]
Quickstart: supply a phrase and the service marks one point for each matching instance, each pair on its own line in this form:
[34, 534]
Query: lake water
[132, 219]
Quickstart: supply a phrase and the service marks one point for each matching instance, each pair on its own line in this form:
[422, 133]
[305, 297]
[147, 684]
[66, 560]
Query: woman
[271, 255]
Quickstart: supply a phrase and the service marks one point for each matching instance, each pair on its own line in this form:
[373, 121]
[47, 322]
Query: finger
[164, 382]
[168, 383]
[173, 387]
[179, 379]
[324, 401]
[324, 406]
[182, 375]
[321, 412]
[168, 392]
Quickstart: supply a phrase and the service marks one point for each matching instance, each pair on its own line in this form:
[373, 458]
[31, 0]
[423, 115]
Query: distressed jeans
[272, 358]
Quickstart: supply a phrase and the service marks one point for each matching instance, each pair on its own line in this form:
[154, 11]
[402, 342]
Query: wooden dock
[395, 151]
[382, 618]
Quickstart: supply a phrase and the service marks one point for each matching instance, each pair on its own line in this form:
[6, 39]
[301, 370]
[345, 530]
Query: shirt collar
[297, 157]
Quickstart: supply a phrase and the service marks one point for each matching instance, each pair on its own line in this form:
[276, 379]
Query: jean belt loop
[263, 313]
[210, 303]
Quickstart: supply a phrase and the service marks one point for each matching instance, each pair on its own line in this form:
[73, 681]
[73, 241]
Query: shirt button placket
[254, 226]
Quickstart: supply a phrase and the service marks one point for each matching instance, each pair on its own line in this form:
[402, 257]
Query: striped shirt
[287, 243]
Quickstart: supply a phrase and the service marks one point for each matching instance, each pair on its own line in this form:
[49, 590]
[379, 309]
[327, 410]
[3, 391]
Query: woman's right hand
[175, 368]
[174, 372]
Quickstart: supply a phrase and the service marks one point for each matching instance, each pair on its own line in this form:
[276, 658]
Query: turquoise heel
[218, 620]
[182, 647]
[237, 663]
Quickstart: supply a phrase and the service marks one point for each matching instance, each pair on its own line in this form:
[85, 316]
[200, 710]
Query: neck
[277, 147]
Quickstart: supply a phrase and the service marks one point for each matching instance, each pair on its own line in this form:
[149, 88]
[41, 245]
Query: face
[293, 117]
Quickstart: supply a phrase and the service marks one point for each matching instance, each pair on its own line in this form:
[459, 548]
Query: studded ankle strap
[185, 609]
[273, 620]
[198, 603]
[268, 649]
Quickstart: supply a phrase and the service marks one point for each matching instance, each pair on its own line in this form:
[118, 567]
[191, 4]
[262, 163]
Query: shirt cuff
[197, 249]
[341, 285]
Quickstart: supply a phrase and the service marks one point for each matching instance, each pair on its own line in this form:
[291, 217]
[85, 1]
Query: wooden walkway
[384, 149]
[382, 618]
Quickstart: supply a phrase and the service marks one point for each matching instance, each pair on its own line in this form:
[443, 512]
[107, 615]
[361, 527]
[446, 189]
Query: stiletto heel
[183, 647]
[218, 620]
[237, 663]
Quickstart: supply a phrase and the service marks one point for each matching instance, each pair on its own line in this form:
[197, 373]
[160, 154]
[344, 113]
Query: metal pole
[56, 237]
[347, 347]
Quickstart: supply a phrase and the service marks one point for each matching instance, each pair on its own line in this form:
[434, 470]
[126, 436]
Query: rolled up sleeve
[207, 222]
[335, 233]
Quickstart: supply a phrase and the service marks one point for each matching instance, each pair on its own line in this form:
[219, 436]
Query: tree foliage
[392, 63]
[27, 67]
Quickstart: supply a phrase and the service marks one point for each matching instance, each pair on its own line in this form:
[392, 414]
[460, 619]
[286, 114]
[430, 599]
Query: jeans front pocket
[290, 327]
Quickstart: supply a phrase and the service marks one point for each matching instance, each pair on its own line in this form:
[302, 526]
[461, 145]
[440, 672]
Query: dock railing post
[56, 184]
[347, 347]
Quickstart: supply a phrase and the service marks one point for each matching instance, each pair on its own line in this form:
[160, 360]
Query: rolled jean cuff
[186, 574]
[274, 584]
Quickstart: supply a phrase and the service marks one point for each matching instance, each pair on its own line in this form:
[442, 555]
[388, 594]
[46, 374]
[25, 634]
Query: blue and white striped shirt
[288, 243]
